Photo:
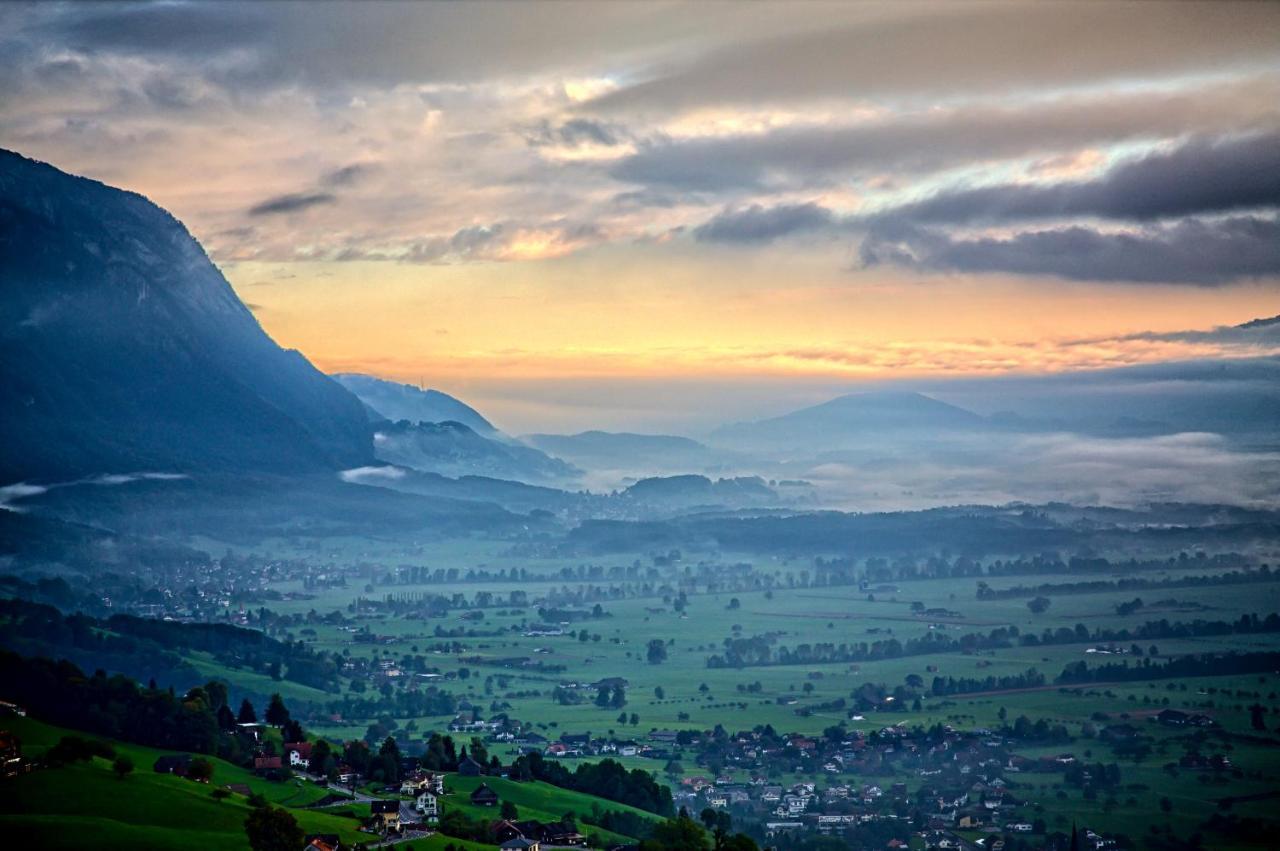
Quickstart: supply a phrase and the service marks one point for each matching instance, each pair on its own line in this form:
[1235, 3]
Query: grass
[86, 806]
[540, 801]
[807, 615]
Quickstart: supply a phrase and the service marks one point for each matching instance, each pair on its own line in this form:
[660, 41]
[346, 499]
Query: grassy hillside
[540, 801]
[86, 806]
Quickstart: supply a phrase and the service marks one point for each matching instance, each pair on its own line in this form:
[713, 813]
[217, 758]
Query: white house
[428, 805]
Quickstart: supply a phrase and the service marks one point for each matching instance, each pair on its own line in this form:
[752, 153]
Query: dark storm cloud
[291, 203]
[1202, 176]
[758, 224]
[1193, 251]
[158, 28]
[941, 138]
[576, 132]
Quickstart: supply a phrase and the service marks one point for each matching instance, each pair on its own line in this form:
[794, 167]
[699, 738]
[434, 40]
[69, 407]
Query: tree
[200, 770]
[293, 732]
[1258, 717]
[657, 651]
[321, 753]
[659, 692]
[619, 698]
[273, 829]
[216, 694]
[1039, 605]
[509, 811]
[678, 834]
[277, 714]
[122, 766]
[247, 715]
[226, 718]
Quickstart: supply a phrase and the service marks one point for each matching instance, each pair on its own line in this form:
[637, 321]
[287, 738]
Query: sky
[660, 215]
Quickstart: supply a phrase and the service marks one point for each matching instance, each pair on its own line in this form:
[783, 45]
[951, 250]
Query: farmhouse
[299, 754]
[174, 764]
[483, 796]
[385, 814]
[427, 804]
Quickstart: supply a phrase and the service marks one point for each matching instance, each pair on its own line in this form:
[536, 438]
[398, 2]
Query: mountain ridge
[123, 348]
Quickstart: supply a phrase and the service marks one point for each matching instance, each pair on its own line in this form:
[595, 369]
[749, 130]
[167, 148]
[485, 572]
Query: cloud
[758, 224]
[347, 174]
[922, 141]
[1194, 251]
[576, 132]
[374, 475]
[1204, 175]
[291, 203]
[940, 51]
[1083, 470]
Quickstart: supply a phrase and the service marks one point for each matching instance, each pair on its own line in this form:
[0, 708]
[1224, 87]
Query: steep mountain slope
[122, 347]
[453, 449]
[405, 402]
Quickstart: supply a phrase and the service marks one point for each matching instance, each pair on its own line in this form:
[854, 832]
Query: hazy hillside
[123, 348]
[454, 449]
[406, 402]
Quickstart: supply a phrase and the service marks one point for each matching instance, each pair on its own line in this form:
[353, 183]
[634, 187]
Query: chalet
[262, 763]
[520, 843]
[558, 834]
[468, 767]
[251, 728]
[483, 796]
[299, 754]
[427, 804]
[173, 764]
[422, 781]
[322, 842]
[385, 814]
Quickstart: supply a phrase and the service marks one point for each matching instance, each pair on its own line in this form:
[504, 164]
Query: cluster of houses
[962, 782]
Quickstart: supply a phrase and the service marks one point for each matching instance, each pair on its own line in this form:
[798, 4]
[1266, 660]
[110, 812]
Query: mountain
[395, 401]
[123, 348]
[454, 449]
[856, 416]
